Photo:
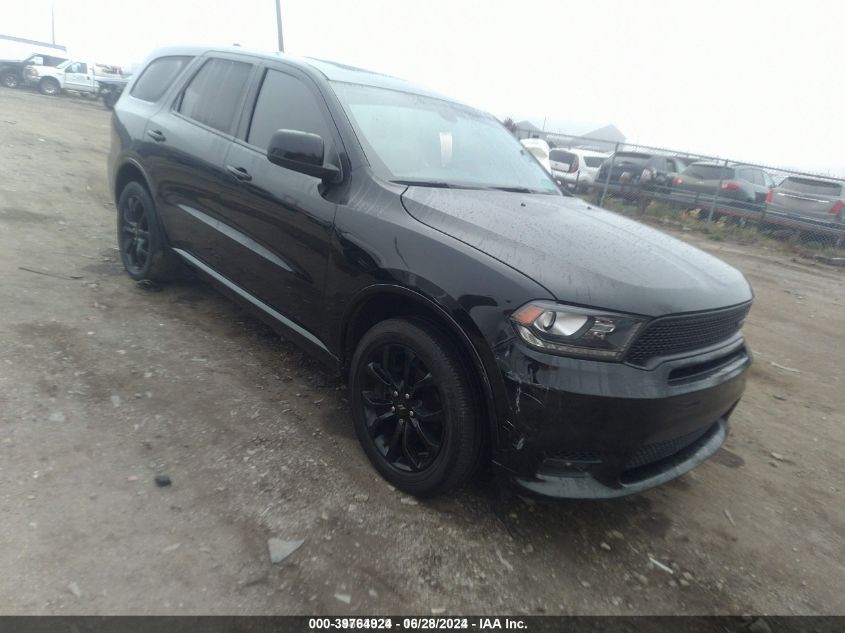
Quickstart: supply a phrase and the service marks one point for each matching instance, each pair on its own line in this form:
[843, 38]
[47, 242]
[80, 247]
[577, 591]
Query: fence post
[607, 178]
[716, 197]
[763, 214]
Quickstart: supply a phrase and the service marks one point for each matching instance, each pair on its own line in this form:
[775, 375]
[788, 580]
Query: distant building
[604, 138]
[526, 129]
[566, 134]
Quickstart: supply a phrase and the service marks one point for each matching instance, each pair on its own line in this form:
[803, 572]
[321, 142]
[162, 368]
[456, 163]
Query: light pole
[279, 25]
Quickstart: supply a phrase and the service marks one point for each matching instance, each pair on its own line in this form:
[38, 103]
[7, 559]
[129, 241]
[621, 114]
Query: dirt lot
[104, 385]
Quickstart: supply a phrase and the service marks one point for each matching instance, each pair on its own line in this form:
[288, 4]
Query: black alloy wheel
[135, 234]
[402, 407]
[140, 239]
[414, 407]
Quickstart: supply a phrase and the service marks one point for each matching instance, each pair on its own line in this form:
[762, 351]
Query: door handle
[239, 172]
[156, 135]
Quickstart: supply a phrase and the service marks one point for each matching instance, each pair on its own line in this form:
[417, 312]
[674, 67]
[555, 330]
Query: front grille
[661, 450]
[685, 333]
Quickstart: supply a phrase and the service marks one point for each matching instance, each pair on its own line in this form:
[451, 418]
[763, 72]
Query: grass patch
[737, 230]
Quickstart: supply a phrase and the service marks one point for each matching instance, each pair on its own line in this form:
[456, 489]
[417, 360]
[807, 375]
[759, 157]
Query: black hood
[582, 254]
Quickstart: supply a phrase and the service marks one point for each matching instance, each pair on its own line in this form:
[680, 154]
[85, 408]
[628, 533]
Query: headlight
[572, 331]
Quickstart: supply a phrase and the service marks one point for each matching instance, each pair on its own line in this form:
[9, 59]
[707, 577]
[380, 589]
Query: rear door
[188, 140]
[761, 187]
[563, 161]
[278, 222]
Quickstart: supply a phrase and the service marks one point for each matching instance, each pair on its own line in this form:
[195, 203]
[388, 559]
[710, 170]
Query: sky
[753, 81]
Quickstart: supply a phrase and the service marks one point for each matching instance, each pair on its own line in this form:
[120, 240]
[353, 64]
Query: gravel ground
[105, 386]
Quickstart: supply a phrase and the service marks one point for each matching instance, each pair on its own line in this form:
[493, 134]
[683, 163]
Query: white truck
[83, 77]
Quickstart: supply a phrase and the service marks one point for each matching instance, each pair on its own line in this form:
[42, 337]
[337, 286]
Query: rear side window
[561, 156]
[286, 103]
[157, 77]
[214, 94]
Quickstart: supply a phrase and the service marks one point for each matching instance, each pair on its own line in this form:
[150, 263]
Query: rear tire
[414, 407]
[140, 238]
[49, 86]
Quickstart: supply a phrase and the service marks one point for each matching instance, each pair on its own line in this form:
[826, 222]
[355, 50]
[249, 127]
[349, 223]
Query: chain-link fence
[749, 201]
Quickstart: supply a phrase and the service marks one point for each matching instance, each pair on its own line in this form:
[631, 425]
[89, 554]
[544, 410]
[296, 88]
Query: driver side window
[286, 103]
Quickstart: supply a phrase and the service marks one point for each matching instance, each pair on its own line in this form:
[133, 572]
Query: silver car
[811, 198]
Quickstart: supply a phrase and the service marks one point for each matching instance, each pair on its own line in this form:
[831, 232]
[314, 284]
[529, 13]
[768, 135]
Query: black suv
[412, 243]
[11, 70]
[626, 173]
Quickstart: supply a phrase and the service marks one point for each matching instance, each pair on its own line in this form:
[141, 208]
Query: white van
[540, 149]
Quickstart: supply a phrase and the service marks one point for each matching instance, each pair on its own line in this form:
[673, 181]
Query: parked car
[626, 172]
[736, 185]
[11, 70]
[576, 168]
[477, 313]
[811, 198]
[540, 149]
[83, 77]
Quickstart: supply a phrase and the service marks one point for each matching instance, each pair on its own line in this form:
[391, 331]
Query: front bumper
[589, 429]
[578, 179]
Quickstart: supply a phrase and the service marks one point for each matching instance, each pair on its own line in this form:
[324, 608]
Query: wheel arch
[128, 172]
[383, 301]
[50, 80]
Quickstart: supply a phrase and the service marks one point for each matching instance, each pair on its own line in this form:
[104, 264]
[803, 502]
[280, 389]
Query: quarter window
[286, 103]
[214, 94]
[157, 77]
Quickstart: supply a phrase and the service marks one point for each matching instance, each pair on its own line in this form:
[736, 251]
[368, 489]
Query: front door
[78, 77]
[278, 221]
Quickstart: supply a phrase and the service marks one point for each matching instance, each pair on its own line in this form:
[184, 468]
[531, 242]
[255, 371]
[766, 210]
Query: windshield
[413, 139]
[560, 156]
[594, 161]
[709, 172]
[64, 64]
[631, 158]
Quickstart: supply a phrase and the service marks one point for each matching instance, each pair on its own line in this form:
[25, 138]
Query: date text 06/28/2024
[416, 624]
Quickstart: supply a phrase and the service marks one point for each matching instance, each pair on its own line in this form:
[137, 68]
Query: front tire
[49, 86]
[10, 79]
[414, 407]
[140, 238]
[109, 99]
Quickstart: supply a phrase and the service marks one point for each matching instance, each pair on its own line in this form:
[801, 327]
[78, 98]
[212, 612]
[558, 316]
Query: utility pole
[53, 20]
[279, 25]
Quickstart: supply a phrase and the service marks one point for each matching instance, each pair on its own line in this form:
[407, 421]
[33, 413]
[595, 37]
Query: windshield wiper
[429, 183]
[515, 189]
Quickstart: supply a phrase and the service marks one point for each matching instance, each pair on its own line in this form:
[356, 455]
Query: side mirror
[302, 152]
